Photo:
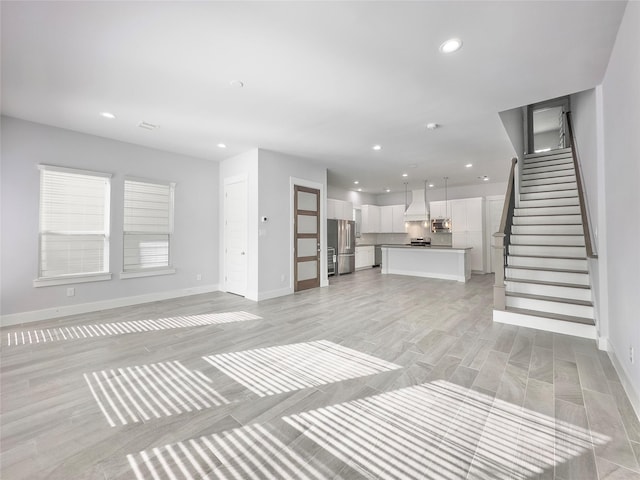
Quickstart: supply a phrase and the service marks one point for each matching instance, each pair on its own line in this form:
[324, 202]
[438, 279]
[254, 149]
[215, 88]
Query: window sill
[147, 273]
[66, 280]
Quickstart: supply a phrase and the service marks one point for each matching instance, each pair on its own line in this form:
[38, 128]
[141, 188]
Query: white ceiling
[323, 80]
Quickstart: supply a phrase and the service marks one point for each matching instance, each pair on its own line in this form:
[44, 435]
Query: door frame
[563, 102]
[302, 182]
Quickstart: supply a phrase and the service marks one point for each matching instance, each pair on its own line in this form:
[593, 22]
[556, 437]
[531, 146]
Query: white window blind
[74, 222]
[148, 225]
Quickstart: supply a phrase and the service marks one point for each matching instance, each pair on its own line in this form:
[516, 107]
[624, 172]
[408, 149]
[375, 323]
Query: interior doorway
[235, 236]
[306, 237]
[546, 125]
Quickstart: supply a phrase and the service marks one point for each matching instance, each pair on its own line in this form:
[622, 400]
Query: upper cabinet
[387, 219]
[439, 209]
[339, 209]
[370, 219]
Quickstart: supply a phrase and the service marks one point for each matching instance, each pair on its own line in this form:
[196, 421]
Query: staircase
[546, 276]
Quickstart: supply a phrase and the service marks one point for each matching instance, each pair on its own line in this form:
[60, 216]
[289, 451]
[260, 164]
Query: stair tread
[543, 269]
[553, 316]
[548, 234]
[553, 258]
[553, 284]
[544, 214]
[547, 298]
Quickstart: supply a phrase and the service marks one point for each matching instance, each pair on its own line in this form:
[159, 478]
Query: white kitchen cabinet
[339, 209]
[439, 209]
[365, 256]
[386, 219]
[467, 227]
[370, 219]
[397, 225]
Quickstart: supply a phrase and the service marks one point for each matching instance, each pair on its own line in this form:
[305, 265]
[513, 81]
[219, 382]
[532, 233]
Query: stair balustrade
[501, 240]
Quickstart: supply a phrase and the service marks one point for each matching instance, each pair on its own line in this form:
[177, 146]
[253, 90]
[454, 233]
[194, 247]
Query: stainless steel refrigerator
[341, 235]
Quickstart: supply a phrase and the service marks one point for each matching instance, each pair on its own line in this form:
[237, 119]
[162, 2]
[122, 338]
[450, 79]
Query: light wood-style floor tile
[456, 396]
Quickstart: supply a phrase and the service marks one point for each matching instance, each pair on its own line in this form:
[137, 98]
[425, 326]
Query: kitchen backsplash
[415, 230]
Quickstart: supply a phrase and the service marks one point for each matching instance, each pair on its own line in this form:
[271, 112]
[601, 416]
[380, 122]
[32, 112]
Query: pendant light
[426, 209]
[447, 223]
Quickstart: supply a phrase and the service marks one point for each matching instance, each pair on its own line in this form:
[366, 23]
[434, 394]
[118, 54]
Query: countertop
[428, 247]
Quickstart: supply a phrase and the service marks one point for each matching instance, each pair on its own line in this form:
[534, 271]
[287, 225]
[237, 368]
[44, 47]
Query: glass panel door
[307, 238]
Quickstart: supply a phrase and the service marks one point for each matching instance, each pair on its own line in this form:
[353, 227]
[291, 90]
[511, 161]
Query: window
[74, 226]
[148, 226]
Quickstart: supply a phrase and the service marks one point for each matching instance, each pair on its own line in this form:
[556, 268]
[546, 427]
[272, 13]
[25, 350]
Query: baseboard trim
[546, 324]
[632, 394]
[275, 293]
[63, 311]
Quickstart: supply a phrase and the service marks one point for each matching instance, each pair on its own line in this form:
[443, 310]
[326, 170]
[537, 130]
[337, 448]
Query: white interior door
[235, 237]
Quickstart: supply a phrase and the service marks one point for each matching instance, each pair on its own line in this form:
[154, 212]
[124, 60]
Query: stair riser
[547, 229]
[547, 166]
[549, 181]
[548, 251]
[547, 276]
[559, 153]
[577, 240]
[538, 211]
[563, 263]
[551, 307]
[559, 194]
[548, 219]
[555, 173]
[549, 290]
[549, 202]
[555, 187]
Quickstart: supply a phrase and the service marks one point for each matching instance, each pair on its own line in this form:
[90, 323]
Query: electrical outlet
[71, 292]
[199, 277]
[631, 359]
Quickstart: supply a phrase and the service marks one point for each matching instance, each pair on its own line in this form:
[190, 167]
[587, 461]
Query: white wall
[357, 198]
[621, 109]
[276, 171]
[244, 165]
[194, 244]
[513, 121]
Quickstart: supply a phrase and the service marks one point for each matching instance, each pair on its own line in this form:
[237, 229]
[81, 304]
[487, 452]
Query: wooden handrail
[591, 253]
[509, 198]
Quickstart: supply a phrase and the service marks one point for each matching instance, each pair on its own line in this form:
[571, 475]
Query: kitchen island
[432, 262]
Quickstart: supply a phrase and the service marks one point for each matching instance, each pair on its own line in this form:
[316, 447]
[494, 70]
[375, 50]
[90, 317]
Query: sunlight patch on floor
[273, 370]
[440, 430]
[146, 392]
[79, 332]
[251, 452]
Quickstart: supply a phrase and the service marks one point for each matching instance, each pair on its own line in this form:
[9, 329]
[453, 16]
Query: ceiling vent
[148, 126]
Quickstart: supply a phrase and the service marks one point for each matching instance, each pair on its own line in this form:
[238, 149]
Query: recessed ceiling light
[377, 147]
[432, 126]
[359, 189]
[486, 179]
[431, 185]
[222, 145]
[108, 115]
[451, 45]
[469, 165]
[405, 174]
[236, 84]
[356, 182]
[148, 126]
[387, 190]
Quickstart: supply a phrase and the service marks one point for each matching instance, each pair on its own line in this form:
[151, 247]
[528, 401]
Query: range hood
[418, 211]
